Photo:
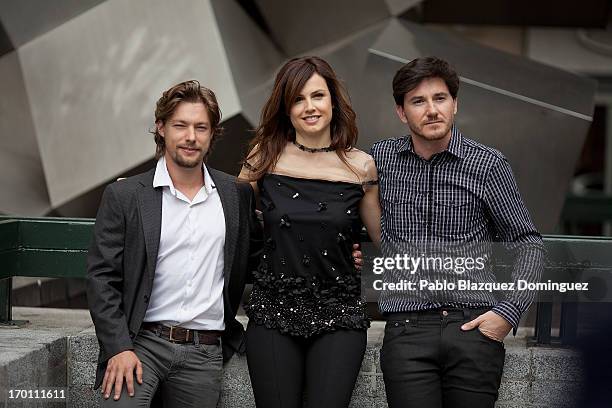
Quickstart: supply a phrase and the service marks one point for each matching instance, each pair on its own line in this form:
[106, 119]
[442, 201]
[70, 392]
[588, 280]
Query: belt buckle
[171, 330]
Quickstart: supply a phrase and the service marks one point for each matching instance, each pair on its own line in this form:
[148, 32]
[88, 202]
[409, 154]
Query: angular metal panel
[93, 83]
[573, 50]
[86, 205]
[397, 7]
[25, 20]
[300, 26]
[542, 146]
[22, 179]
[252, 56]
[6, 45]
[231, 148]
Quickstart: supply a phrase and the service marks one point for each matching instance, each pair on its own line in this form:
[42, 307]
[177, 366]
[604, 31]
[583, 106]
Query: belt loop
[196, 337]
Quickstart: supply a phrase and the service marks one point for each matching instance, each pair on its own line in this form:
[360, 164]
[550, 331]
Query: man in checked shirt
[440, 188]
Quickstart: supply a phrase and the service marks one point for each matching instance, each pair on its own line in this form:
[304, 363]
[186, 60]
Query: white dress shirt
[188, 285]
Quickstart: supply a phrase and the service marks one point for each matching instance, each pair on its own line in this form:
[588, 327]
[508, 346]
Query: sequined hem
[301, 307]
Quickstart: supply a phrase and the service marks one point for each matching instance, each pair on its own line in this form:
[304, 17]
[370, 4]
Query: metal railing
[40, 247]
[57, 247]
[572, 259]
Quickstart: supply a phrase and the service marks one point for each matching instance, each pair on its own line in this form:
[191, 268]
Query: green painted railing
[57, 248]
[587, 208]
[40, 247]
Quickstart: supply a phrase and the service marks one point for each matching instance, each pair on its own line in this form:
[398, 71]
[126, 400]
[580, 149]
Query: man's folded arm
[516, 230]
[105, 277]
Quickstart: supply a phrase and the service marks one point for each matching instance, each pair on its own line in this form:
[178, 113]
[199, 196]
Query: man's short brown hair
[188, 91]
[411, 74]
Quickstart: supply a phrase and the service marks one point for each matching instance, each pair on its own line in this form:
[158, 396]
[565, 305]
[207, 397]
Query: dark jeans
[428, 361]
[282, 367]
[189, 375]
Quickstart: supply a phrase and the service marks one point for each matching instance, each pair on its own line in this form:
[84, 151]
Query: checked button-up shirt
[464, 195]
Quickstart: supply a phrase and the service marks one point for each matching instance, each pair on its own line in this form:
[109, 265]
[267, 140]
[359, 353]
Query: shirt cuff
[509, 312]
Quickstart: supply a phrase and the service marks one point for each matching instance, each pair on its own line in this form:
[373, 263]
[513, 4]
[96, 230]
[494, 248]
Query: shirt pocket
[457, 214]
[403, 213]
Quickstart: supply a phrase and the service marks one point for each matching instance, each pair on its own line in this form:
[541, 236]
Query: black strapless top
[306, 282]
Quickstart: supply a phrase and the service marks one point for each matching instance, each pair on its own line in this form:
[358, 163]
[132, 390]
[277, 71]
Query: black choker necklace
[313, 149]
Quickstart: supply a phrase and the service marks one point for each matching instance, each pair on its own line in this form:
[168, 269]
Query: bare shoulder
[362, 162]
[358, 157]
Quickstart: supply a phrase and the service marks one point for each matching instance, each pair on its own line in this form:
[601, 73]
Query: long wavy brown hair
[275, 128]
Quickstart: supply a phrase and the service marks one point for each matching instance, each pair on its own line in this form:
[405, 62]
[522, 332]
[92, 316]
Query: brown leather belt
[181, 335]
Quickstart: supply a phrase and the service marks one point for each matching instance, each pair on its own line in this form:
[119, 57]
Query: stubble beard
[435, 136]
[188, 163]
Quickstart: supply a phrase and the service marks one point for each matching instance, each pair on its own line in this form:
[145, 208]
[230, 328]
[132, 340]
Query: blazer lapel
[229, 201]
[150, 202]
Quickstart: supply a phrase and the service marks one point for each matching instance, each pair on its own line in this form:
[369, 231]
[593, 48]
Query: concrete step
[59, 349]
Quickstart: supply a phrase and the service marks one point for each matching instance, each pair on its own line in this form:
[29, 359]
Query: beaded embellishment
[313, 149]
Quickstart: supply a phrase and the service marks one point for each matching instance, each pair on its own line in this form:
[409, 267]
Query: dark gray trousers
[189, 375]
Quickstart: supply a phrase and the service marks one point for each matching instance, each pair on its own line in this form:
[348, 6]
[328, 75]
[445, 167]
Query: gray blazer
[123, 255]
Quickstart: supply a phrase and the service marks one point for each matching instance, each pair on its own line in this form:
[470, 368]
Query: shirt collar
[209, 184]
[162, 178]
[405, 145]
[455, 146]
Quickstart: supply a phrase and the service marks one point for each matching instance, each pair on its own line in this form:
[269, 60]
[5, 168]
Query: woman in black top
[307, 321]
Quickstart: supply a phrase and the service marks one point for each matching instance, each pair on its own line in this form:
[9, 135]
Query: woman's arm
[369, 208]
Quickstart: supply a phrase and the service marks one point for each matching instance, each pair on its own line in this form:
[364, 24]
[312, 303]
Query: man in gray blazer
[166, 269]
